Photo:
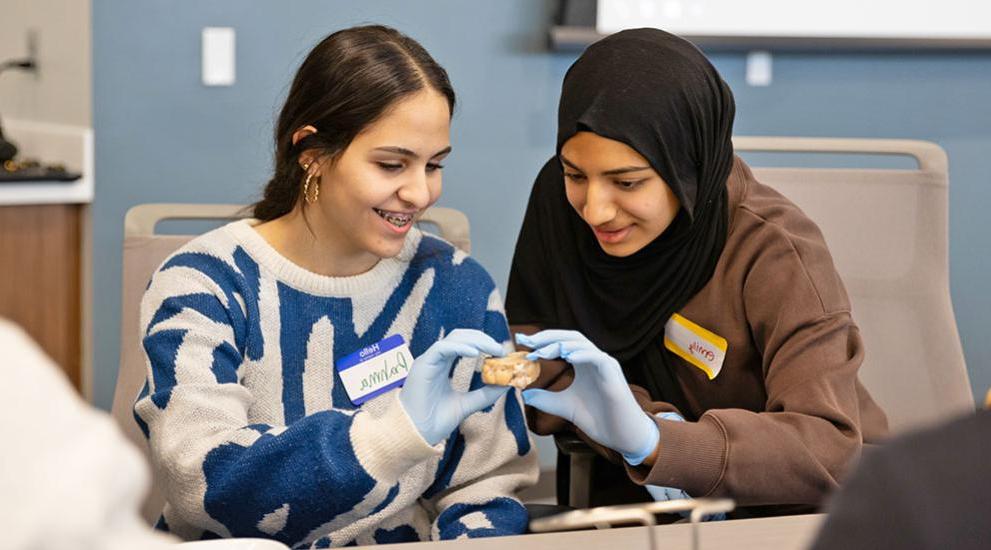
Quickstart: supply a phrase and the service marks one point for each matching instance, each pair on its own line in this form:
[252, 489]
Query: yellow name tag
[700, 347]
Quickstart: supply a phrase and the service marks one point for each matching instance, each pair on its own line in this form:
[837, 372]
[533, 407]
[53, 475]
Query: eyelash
[629, 185]
[390, 167]
[625, 185]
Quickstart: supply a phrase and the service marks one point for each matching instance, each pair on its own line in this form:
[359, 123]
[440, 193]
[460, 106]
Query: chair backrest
[887, 232]
[144, 251]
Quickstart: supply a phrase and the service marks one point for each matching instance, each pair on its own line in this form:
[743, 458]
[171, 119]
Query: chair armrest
[570, 444]
[579, 470]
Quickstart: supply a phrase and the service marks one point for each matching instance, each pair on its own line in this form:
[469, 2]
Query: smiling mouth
[398, 219]
[613, 236]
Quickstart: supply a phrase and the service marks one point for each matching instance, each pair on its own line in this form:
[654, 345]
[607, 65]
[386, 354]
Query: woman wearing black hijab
[706, 338]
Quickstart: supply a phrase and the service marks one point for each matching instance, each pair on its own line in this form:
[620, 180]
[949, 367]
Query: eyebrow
[613, 172]
[408, 153]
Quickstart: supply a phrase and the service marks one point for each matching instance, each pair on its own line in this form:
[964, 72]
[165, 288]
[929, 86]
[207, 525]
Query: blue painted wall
[162, 136]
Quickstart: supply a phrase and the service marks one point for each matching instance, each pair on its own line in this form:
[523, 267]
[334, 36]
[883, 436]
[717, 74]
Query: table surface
[779, 533]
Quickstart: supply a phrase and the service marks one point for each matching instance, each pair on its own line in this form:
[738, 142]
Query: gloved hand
[599, 401]
[427, 396]
[670, 493]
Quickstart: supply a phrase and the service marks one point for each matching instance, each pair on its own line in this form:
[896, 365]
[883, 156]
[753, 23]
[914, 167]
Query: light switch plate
[760, 69]
[218, 56]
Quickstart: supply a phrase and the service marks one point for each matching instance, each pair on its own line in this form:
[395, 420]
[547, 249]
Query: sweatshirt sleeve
[796, 450]
[232, 478]
[486, 461]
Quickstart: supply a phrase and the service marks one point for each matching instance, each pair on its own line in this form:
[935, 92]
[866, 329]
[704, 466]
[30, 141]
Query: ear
[306, 157]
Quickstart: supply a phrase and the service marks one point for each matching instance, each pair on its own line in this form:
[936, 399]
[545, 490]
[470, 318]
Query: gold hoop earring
[308, 196]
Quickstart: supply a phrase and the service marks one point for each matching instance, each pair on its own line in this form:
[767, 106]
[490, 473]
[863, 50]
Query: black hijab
[658, 94]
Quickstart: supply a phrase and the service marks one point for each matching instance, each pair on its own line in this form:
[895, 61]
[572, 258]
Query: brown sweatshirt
[786, 414]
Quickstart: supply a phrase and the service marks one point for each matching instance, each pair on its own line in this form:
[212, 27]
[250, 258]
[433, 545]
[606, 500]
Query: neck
[315, 245]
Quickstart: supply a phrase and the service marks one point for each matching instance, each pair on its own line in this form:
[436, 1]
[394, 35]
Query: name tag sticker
[700, 347]
[375, 369]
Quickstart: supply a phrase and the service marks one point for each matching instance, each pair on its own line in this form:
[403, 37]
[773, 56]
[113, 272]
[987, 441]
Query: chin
[387, 250]
[621, 250]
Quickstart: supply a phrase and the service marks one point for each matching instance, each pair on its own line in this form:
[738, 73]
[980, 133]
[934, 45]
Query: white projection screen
[963, 23]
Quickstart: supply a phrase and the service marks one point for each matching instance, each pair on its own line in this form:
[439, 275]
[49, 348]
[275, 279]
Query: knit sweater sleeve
[221, 473]
[486, 461]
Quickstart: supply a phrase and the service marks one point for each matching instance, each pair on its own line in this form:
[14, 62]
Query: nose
[599, 206]
[415, 190]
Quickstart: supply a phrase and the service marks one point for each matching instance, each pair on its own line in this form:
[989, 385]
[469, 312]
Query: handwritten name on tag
[375, 369]
[693, 343]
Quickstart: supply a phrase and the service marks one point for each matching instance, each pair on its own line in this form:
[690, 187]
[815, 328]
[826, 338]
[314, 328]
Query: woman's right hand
[427, 396]
[599, 401]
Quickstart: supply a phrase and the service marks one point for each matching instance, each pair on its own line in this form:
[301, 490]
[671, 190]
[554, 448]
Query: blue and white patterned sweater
[252, 432]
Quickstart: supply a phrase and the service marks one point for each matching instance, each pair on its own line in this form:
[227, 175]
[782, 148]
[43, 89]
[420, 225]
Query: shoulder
[942, 449]
[20, 350]
[462, 287]
[928, 483]
[215, 262]
[779, 244]
[766, 214]
[449, 262]
[222, 244]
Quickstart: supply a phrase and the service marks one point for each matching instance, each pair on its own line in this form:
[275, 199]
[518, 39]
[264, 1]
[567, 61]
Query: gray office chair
[887, 231]
[144, 252]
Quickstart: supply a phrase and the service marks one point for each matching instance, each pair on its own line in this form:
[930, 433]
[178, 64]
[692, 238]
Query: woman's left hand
[599, 401]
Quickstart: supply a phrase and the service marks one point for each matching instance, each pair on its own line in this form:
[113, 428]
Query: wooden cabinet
[40, 289]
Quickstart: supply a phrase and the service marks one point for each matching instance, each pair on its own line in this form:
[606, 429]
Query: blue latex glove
[599, 401]
[670, 493]
[427, 396]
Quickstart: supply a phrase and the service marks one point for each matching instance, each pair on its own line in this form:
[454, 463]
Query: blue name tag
[375, 369]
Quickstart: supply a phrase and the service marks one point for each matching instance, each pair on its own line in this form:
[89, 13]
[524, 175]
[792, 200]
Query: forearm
[490, 458]
[743, 454]
[224, 475]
